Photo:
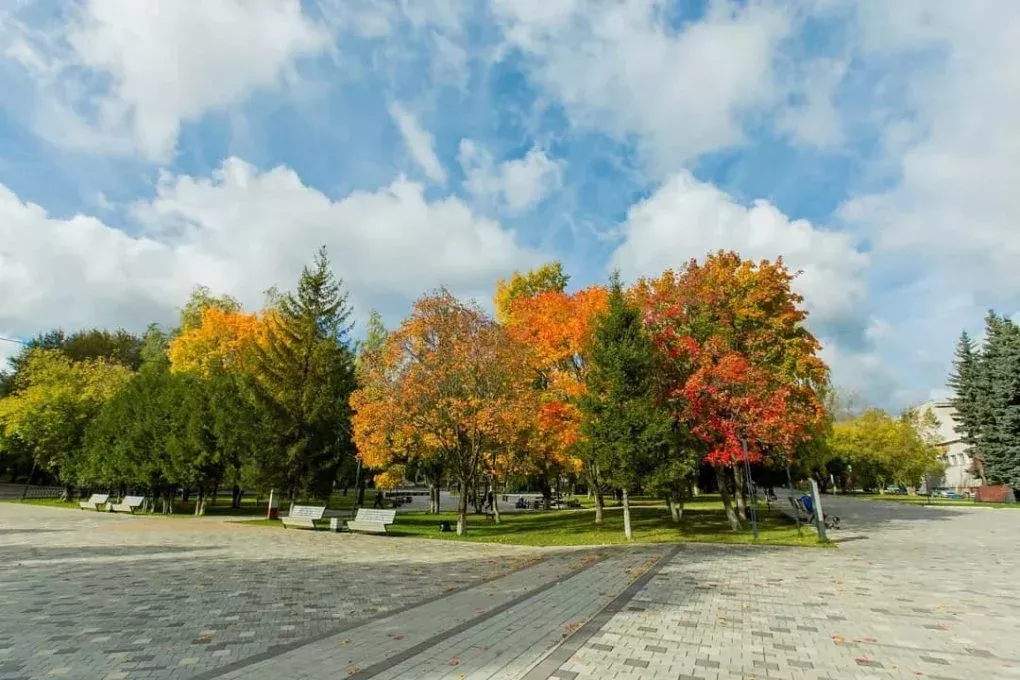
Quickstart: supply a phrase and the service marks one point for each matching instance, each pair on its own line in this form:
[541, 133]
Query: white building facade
[959, 473]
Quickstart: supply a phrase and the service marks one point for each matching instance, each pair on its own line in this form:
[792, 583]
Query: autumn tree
[438, 393]
[53, 402]
[199, 301]
[883, 450]
[623, 423]
[305, 374]
[557, 329]
[744, 371]
[218, 341]
[549, 278]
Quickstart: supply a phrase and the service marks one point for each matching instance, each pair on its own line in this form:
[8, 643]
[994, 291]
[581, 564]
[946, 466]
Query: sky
[149, 146]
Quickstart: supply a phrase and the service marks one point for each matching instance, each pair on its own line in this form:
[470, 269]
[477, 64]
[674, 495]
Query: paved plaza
[909, 593]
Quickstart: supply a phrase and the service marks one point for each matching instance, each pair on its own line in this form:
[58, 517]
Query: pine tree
[306, 369]
[998, 400]
[622, 423]
[965, 400]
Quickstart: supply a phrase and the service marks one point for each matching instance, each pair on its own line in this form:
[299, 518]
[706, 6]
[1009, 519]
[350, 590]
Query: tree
[440, 392]
[305, 374]
[623, 425]
[220, 341]
[119, 347]
[881, 449]
[744, 373]
[966, 400]
[549, 278]
[202, 299]
[55, 399]
[997, 409]
[556, 328]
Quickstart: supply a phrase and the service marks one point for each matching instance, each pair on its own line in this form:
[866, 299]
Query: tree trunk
[65, 495]
[462, 508]
[546, 493]
[676, 506]
[200, 502]
[626, 516]
[433, 499]
[600, 504]
[739, 491]
[495, 501]
[361, 494]
[235, 497]
[727, 505]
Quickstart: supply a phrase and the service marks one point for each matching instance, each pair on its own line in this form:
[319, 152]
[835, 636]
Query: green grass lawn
[249, 506]
[703, 521]
[925, 500]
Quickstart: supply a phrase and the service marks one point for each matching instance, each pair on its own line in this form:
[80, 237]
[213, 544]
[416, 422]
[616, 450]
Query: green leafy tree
[306, 376]
[55, 400]
[202, 299]
[881, 450]
[627, 431]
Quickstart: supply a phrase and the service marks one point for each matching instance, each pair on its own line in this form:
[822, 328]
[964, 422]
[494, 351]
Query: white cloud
[954, 205]
[687, 218]
[517, 184]
[419, 143]
[240, 232]
[814, 117]
[151, 66]
[619, 66]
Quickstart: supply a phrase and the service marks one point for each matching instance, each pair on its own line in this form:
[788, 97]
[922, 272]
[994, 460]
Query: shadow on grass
[577, 527]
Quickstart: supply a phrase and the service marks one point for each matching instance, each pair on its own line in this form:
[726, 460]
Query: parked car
[894, 489]
[945, 492]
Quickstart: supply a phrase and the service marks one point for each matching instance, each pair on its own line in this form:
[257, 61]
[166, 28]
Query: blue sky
[147, 147]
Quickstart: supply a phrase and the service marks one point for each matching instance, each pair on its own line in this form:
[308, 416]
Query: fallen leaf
[454, 661]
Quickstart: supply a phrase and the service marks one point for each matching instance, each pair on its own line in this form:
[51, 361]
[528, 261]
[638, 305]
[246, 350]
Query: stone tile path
[909, 593]
[915, 593]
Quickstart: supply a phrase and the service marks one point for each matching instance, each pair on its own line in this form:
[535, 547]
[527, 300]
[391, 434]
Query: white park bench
[94, 501]
[128, 504]
[304, 516]
[372, 521]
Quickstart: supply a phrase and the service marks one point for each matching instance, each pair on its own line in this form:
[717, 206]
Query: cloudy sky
[147, 146]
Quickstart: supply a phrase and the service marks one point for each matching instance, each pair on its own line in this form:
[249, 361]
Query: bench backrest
[99, 498]
[308, 511]
[133, 501]
[384, 516]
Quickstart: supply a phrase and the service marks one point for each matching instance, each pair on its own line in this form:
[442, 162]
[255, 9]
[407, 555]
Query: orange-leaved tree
[221, 340]
[548, 278]
[557, 328]
[446, 386]
[740, 369]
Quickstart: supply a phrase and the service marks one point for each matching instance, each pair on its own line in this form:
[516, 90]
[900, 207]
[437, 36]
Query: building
[959, 473]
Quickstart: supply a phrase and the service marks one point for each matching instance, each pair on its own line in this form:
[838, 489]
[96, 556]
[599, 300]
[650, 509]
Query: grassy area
[703, 521]
[947, 502]
[249, 506]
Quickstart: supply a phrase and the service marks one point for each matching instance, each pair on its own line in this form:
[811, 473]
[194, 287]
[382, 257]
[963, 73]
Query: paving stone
[636, 663]
[934, 659]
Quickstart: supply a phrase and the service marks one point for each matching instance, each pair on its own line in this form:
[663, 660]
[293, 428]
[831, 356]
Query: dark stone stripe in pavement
[277, 650]
[428, 644]
[550, 665]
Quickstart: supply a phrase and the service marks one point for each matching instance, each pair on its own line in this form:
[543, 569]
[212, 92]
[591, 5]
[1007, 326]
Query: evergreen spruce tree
[622, 422]
[966, 400]
[997, 403]
[307, 372]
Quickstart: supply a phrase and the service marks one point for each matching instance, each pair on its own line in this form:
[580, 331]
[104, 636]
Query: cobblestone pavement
[94, 595]
[909, 593]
